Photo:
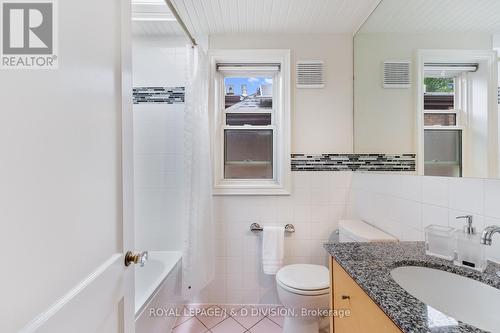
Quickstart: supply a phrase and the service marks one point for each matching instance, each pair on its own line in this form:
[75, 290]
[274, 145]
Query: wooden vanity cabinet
[365, 316]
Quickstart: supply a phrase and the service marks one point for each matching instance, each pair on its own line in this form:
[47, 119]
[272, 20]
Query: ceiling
[153, 18]
[424, 16]
[156, 28]
[209, 17]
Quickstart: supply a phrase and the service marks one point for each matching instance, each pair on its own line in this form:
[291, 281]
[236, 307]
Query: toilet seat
[304, 279]
[303, 292]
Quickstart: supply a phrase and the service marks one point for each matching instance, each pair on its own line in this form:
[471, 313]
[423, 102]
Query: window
[443, 106]
[249, 128]
[251, 123]
[443, 152]
[439, 102]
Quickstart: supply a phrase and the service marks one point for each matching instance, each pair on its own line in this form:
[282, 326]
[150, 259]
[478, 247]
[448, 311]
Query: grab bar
[256, 227]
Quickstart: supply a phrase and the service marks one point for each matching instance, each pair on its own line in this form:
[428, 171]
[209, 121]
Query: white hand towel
[273, 250]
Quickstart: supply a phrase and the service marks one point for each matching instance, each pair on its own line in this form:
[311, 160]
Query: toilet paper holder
[256, 227]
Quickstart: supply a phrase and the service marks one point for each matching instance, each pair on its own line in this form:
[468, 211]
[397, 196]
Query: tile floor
[201, 318]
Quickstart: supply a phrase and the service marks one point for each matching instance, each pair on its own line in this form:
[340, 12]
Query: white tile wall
[403, 205]
[158, 62]
[158, 174]
[318, 201]
[158, 148]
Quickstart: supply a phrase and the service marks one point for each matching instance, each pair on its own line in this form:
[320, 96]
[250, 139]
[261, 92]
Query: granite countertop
[370, 264]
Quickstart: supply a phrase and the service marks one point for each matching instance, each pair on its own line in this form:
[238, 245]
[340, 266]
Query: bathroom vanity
[364, 284]
[364, 314]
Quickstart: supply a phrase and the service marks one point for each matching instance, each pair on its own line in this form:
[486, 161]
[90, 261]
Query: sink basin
[464, 299]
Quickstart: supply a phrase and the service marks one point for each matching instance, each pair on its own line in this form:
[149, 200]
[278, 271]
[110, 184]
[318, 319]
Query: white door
[66, 208]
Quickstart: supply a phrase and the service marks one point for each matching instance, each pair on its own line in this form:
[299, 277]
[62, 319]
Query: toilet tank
[360, 231]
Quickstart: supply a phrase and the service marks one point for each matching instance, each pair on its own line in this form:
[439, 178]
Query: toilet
[304, 289]
[360, 231]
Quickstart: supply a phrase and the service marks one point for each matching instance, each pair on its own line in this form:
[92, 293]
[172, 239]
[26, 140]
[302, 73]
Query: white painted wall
[496, 42]
[158, 146]
[403, 205]
[321, 118]
[385, 118]
[318, 201]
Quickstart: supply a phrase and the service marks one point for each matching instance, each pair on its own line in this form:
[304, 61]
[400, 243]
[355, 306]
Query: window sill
[440, 127]
[250, 189]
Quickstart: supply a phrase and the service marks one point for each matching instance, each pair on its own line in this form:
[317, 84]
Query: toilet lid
[304, 277]
[359, 231]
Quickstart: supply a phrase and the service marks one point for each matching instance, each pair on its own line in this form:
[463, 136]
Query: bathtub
[158, 285]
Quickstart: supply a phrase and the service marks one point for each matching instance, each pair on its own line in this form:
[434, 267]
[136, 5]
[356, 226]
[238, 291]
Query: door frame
[127, 161]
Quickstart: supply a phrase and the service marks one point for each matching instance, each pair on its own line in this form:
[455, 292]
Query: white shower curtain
[198, 259]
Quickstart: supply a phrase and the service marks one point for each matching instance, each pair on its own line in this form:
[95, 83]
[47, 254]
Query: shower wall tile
[157, 64]
[158, 95]
[158, 77]
[158, 181]
[317, 202]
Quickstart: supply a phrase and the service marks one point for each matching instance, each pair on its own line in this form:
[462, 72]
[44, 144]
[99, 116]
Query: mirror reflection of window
[445, 96]
[448, 113]
[443, 152]
[439, 102]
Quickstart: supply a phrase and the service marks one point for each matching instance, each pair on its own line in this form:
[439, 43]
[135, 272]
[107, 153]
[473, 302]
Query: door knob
[136, 258]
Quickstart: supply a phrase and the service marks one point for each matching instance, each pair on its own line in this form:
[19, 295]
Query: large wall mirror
[426, 83]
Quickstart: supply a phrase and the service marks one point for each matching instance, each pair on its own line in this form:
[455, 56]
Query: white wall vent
[310, 74]
[397, 74]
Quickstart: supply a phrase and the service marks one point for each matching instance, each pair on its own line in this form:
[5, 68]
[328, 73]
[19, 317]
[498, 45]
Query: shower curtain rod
[181, 23]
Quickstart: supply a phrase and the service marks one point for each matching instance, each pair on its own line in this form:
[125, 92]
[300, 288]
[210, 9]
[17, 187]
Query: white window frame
[444, 55]
[280, 184]
[460, 110]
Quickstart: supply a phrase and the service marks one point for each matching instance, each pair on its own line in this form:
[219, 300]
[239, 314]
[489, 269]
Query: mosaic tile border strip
[354, 162]
[158, 95]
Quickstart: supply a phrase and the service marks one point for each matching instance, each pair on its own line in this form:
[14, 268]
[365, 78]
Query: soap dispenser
[470, 251]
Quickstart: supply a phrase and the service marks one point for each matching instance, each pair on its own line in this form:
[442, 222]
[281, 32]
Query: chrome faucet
[488, 233]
